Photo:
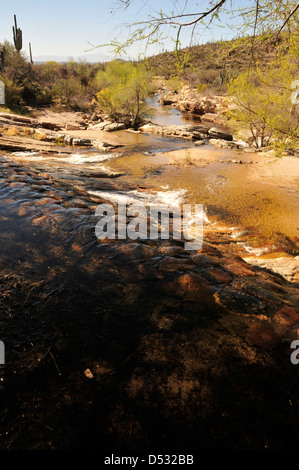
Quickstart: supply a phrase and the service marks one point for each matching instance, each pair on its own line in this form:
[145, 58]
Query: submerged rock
[157, 344]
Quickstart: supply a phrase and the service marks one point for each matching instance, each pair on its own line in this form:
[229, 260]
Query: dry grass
[11, 131]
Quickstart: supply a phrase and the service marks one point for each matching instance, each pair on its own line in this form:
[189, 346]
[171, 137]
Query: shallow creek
[264, 217]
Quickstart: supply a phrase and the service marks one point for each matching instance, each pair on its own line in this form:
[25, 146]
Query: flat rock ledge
[192, 132]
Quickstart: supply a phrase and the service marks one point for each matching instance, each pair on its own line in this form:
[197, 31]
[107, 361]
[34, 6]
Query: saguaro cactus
[30, 52]
[223, 74]
[17, 36]
[2, 55]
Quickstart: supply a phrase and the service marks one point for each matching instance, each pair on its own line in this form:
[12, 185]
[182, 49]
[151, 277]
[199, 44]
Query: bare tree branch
[288, 19]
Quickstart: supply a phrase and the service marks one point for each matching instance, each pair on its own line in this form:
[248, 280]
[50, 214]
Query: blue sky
[66, 27]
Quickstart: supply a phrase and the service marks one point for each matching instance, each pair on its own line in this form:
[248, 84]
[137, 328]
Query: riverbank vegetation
[256, 72]
[124, 88]
[70, 85]
[118, 88]
[265, 100]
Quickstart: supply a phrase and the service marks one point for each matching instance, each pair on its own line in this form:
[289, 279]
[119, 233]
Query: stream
[262, 217]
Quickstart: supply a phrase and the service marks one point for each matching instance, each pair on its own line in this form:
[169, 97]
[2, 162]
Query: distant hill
[90, 58]
[206, 62]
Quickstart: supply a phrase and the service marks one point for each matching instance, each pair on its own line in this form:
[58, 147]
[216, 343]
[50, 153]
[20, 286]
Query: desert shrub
[174, 84]
[201, 87]
[123, 90]
[13, 92]
[71, 85]
[263, 102]
[22, 80]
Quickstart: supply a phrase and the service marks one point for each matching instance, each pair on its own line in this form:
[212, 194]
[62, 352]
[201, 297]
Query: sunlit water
[264, 217]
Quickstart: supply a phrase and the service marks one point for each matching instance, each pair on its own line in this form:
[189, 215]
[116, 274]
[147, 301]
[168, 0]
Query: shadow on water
[159, 368]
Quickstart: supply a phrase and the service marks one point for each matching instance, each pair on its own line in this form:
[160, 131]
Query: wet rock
[82, 142]
[193, 287]
[47, 200]
[88, 374]
[263, 336]
[204, 260]
[238, 268]
[68, 139]
[238, 302]
[77, 203]
[265, 293]
[41, 220]
[36, 187]
[174, 251]
[105, 146]
[27, 210]
[166, 330]
[189, 286]
[137, 251]
[176, 264]
[286, 316]
[217, 275]
[77, 248]
[17, 185]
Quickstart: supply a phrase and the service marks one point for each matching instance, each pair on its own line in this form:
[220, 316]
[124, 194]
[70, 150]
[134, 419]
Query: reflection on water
[167, 115]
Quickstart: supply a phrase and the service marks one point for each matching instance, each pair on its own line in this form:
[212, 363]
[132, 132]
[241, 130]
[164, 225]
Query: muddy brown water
[264, 217]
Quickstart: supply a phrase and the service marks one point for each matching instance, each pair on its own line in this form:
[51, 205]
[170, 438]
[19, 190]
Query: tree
[263, 102]
[255, 18]
[124, 90]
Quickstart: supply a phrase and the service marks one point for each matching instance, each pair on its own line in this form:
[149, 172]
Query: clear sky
[68, 27]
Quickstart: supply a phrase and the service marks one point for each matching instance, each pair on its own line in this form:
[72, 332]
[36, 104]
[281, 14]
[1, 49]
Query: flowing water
[264, 216]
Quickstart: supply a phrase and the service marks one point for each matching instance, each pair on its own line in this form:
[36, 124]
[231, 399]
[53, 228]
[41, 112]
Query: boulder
[226, 144]
[72, 127]
[100, 125]
[220, 134]
[212, 117]
[82, 142]
[115, 126]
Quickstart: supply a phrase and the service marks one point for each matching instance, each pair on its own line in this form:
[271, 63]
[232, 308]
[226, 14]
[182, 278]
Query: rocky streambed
[135, 345]
[142, 345]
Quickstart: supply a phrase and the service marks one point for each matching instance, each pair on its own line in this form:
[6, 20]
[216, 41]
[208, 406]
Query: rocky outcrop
[187, 100]
[17, 144]
[17, 120]
[192, 132]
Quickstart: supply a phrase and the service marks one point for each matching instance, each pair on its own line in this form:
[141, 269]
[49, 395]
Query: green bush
[71, 85]
[13, 93]
[124, 88]
[263, 102]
